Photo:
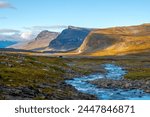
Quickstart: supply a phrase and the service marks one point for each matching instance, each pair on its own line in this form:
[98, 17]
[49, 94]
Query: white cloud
[5, 5]
[10, 34]
[10, 37]
[26, 35]
[3, 31]
[41, 28]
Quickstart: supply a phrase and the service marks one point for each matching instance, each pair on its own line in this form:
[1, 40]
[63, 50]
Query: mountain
[41, 41]
[6, 43]
[116, 41]
[69, 39]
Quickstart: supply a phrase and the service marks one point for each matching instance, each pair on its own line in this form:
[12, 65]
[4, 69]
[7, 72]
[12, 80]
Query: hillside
[116, 41]
[41, 41]
[69, 39]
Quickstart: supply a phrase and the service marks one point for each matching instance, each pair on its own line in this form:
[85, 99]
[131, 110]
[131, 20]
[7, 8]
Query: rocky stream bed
[112, 85]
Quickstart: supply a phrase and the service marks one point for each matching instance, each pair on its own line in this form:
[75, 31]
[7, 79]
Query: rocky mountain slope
[116, 41]
[69, 39]
[41, 41]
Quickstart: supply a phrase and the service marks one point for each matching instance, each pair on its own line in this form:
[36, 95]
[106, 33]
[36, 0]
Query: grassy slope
[116, 41]
[137, 65]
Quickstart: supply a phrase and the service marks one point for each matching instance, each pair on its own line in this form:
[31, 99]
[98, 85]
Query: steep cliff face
[117, 40]
[69, 39]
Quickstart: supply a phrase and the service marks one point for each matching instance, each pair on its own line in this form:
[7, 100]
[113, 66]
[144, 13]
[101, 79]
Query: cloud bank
[27, 33]
[10, 34]
[6, 5]
[8, 31]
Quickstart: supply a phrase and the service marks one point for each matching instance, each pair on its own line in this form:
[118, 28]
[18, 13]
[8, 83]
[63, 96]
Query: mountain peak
[73, 27]
[45, 34]
[41, 41]
[69, 39]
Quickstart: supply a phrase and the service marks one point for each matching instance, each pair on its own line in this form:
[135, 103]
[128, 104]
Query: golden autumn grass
[116, 41]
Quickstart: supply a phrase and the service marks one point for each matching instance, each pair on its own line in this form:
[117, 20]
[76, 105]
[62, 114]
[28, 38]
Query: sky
[24, 19]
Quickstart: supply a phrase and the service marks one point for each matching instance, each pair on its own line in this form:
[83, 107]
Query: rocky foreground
[40, 77]
[33, 77]
[123, 84]
[28, 93]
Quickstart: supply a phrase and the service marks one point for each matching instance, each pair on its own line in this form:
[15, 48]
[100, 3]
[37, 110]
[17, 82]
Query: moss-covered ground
[47, 74]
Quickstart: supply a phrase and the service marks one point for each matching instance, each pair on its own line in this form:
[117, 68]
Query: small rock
[147, 91]
[19, 61]
[10, 80]
[10, 65]
[16, 93]
[28, 91]
[147, 83]
[128, 85]
[60, 56]
[45, 69]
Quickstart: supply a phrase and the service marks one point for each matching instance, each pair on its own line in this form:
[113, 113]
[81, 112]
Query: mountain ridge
[41, 41]
[116, 40]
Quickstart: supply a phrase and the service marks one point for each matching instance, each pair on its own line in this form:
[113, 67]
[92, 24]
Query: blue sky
[28, 17]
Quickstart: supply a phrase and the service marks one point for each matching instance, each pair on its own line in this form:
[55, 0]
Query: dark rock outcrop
[69, 39]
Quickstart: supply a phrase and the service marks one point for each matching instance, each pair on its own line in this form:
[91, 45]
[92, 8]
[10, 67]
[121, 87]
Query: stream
[113, 72]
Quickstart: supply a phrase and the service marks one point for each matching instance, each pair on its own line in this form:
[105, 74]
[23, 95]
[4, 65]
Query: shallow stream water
[113, 72]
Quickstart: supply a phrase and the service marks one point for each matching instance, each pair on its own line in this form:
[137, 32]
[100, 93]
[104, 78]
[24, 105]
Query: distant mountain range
[6, 43]
[68, 39]
[39, 43]
[93, 42]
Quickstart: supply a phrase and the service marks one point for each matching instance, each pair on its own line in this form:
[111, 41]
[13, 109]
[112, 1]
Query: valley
[24, 76]
[69, 65]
